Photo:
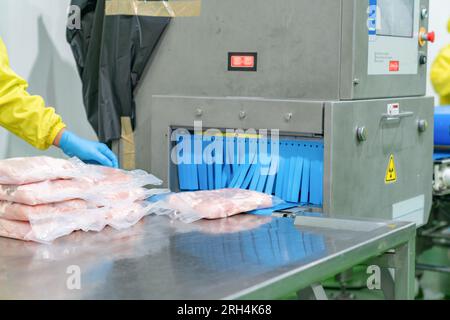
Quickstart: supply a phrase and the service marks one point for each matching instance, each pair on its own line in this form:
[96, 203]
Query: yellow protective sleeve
[23, 114]
[440, 75]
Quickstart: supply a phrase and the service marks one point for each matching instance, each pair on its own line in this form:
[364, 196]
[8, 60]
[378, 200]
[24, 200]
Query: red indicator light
[242, 61]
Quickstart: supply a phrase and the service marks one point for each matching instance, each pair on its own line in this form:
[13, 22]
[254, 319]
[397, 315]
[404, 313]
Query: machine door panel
[378, 158]
[380, 51]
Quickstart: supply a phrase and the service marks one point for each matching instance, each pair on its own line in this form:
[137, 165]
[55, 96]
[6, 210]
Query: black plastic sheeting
[111, 53]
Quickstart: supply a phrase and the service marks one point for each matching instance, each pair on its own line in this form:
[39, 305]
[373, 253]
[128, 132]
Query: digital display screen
[395, 18]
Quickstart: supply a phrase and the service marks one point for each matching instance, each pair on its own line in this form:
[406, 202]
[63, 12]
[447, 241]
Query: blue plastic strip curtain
[183, 149]
[291, 169]
[208, 157]
[202, 169]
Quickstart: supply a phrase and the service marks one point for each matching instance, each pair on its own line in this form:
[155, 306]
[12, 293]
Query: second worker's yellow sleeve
[440, 75]
[23, 114]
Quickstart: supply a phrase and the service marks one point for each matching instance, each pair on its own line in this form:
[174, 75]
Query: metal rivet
[288, 116]
[361, 134]
[424, 13]
[423, 125]
[242, 114]
[199, 112]
[356, 81]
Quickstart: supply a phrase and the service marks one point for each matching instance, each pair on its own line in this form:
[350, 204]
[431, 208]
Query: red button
[431, 36]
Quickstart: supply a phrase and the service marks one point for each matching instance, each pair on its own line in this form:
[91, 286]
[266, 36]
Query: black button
[423, 59]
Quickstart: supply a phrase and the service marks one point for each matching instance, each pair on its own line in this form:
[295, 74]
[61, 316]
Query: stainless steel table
[236, 258]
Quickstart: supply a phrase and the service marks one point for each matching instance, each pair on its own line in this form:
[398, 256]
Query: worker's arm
[29, 118]
[440, 73]
[23, 114]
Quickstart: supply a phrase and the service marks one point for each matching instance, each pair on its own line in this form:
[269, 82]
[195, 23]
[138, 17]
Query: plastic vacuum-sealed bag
[17, 171]
[215, 204]
[14, 229]
[101, 187]
[23, 212]
[43, 198]
[45, 228]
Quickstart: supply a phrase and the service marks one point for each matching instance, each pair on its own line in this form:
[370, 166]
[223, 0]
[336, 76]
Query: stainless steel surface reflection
[163, 259]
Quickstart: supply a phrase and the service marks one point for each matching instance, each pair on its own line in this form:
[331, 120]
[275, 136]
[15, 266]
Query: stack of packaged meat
[43, 198]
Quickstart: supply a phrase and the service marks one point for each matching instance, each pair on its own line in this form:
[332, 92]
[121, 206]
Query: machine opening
[294, 165]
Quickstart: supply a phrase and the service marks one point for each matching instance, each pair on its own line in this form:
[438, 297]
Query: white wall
[34, 33]
[439, 16]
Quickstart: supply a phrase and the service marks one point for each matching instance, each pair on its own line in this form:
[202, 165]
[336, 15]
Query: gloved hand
[88, 151]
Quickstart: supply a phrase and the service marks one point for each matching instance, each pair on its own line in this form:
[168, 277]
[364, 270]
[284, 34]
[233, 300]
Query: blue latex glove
[87, 151]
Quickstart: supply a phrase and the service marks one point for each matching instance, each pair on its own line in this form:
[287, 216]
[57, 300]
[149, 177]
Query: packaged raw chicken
[14, 229]
[215, 204]
[23, 212]
[102, 187]
[46, 228]
[35, 169]
[44, 198]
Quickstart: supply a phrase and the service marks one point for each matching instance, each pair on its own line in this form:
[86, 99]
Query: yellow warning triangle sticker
[391, 172]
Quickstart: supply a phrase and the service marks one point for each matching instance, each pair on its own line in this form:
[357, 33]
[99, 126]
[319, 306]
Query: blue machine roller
[442, 132]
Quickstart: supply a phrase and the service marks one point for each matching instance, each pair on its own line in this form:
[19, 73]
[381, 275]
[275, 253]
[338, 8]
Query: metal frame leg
[387, 284]
[400, 284]
[405, 267]
[314, 292]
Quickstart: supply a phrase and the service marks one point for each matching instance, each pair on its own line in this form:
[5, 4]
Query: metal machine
[436, 234]
[437, 231]
[342, 80]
